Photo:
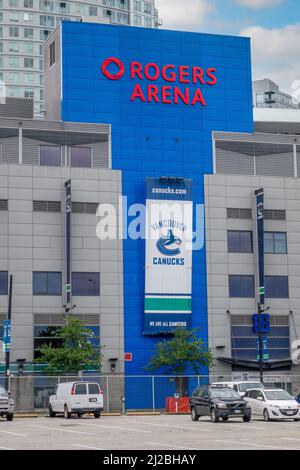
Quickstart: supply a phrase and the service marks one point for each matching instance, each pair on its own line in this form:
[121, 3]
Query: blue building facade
[163, 92]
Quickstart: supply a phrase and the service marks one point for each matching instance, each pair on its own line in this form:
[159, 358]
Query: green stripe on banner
[168, 304]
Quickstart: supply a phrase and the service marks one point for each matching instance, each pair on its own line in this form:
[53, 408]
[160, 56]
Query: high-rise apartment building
[25, 24]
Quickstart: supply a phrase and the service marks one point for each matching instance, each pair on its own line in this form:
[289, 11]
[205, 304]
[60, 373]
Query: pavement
[162, 432]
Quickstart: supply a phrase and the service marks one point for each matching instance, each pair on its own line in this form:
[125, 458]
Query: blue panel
[155, 139]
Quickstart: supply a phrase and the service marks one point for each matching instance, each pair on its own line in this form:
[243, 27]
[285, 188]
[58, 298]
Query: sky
[273, 25]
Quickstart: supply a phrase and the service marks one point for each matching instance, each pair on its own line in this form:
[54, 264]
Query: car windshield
[2, 391]
[224, 393]
[249, 386]
[278, 395]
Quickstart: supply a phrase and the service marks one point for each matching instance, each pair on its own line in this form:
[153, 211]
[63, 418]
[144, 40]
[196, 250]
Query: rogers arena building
[163, 94]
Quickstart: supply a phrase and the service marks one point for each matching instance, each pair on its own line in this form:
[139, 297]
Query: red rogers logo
[165, 94]
[118, 63]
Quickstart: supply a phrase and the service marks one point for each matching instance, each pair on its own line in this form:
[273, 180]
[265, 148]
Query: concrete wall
[224, 191]
[34, 241]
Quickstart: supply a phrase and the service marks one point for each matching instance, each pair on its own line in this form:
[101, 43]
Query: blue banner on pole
[265, 349]
[6, 335]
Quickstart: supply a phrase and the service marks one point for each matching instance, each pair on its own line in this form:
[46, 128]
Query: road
[164, 432]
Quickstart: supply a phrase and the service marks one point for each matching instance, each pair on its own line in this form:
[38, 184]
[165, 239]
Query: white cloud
[276, 54]
[187, 15]
[258, 4]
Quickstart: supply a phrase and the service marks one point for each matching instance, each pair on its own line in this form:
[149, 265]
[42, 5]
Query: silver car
[6, 405]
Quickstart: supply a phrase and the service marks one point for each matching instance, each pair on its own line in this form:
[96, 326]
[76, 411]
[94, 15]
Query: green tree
[75, 353]
[184, 351]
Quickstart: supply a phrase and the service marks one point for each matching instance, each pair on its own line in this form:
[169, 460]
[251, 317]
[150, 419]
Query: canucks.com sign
[168, 274]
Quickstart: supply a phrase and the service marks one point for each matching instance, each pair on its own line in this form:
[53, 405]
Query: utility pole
[7, 337]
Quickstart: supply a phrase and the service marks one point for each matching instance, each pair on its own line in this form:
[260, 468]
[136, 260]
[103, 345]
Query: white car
[6, 405]
[273, 403]
[240, 387]
[76, 398]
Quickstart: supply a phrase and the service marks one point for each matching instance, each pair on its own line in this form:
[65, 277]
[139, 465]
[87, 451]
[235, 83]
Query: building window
[28, 3]
[52, 53]
[46, 283]
[137, 19]
[13, 92]
[244, 340]
[29, 93]
[28, 33]
[241, 286]
[13, 32]
[3, 202]
[148, 22]
[137, 5]
[28, 78]
[86, 284]
[275, 214]
[85, 207]
[240, 241]
[277, 287]
[81, 157]
[148, 8]
[14, 17]
[93, 11]
[50, 155]
[276, 243]
[28, 63]
[3, 282]
[28, 17]
[1, 46]
[13, 3]
[235, 213]
[46, 206]
[14, 62]
[13, 47]
[28, 48]
[13, 77]
[47, 334]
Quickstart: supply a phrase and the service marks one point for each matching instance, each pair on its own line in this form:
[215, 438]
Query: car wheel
[51, 412]
[97, 414]
[296, 419]
[79, 415]
[67, 414]
[213, 416]
[194, 415]
[9, 417]
[246, 419]
[266, 415]
[225, 418]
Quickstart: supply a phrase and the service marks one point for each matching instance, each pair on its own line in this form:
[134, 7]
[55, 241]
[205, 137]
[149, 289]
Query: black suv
[218, 402]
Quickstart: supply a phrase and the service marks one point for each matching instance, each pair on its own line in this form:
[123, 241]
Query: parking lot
[164, 432]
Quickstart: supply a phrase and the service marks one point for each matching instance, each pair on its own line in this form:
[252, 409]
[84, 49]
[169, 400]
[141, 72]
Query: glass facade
[240, 241]
[244, 340]
[3, 282]
[50, 155]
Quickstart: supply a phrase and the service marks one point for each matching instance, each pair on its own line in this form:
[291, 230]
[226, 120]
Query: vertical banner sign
[168, 266]
[260, 244]
[6, 335]
[68, 195]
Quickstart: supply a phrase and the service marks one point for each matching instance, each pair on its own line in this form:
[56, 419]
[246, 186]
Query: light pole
[7, 339]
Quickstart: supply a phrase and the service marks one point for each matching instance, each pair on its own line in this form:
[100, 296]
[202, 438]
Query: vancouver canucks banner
[168, 267]
[260, 244]
[68, 196]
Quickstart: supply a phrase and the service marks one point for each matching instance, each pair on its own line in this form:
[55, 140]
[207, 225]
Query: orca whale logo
[166, 245]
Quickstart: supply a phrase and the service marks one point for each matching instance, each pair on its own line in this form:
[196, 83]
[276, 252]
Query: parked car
[240, 387]
[6, 405]
[218, 402]
[273, 403]
[76, 398]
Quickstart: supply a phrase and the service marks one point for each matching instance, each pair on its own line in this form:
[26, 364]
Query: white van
[76, 398]
[240, 387]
